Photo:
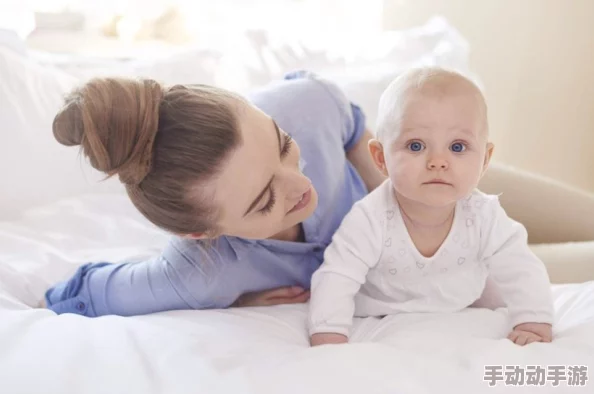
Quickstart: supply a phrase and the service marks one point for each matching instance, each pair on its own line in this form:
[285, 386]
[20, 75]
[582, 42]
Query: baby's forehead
[441, 88]
[468, 100]
[454, 112]
[433, 82]
[417, 85]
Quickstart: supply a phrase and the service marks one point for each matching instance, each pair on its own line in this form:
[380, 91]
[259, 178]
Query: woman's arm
[128, 289]
[178, 279]
[360, 157]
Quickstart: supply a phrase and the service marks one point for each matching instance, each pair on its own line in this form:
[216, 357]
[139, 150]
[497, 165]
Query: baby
[426, 240]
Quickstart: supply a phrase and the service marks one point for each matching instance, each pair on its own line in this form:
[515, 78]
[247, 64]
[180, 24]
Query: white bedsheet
[251, 350]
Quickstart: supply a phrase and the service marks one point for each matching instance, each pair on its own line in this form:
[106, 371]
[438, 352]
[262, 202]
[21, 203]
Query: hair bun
[67, 126]
[115, 121]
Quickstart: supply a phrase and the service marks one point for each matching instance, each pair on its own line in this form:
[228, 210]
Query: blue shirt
[188, 275]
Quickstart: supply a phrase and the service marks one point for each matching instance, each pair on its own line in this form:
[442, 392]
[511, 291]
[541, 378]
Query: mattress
[245, 350]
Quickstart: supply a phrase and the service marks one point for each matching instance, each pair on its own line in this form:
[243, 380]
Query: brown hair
[162, 142]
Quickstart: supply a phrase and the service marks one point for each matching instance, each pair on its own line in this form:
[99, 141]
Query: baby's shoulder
[479, 204]
[377, 205]
[380, 198]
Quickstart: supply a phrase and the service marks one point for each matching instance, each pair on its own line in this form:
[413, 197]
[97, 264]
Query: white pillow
[11, 40]
[34, 168]
[184, 66]
[363, 68]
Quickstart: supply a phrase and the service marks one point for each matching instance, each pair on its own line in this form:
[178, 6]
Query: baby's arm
[355, 248]
[520, 276]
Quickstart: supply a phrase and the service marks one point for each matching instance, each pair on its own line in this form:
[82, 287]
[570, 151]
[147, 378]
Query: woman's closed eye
[288, 141]
[270, 204]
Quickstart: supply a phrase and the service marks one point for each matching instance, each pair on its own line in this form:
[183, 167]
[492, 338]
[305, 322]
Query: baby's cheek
[470, 174]
[475, 168]
[402, 176]
[406, 166]
[397, 162]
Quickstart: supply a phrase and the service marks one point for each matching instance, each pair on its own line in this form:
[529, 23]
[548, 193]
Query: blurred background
[533, 59]
[536, 61]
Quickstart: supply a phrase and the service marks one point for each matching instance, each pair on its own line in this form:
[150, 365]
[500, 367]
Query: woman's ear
[200, 236]
[197, 236]
[377, 154]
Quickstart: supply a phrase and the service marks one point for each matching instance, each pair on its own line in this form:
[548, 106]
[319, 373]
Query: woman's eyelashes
[288, 141]
[270, 204]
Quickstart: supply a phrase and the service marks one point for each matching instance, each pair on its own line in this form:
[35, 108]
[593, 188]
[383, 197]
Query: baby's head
[432, 136]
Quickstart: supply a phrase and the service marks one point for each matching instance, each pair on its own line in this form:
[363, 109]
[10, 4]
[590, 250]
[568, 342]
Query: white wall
[536, 60]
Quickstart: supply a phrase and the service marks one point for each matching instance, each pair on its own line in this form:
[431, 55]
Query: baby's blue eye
[416, 146]
[458, 147]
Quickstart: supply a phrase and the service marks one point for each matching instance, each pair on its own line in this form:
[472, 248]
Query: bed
[241, 350]
[54, 216]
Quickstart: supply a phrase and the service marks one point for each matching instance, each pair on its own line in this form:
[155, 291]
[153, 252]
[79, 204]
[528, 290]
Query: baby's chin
[434, 202]
[435, 196]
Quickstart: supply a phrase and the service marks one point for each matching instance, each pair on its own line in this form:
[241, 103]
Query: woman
[252, 190]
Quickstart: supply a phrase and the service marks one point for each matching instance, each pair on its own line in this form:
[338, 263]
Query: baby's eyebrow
[416, 128]
[464, 130]
[461, 129]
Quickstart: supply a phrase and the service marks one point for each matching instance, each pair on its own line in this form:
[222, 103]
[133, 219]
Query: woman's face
[261, 191]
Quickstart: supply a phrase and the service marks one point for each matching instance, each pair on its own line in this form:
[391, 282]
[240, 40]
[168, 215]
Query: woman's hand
[327, 338]
[281, 295]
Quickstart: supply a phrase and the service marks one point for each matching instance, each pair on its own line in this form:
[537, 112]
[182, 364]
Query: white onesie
[372, 267]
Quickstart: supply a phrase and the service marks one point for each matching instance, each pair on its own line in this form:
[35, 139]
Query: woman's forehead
[250, 166]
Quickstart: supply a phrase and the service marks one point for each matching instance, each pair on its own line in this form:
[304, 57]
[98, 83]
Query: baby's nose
[437, 163]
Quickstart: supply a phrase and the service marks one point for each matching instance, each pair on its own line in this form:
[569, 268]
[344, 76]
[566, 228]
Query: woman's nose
[301, 164]
[295, 183]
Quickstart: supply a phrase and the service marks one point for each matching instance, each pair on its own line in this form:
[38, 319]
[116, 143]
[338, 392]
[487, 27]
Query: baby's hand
[526, 333]
[327, 338]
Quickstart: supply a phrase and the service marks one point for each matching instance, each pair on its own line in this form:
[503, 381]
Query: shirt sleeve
[351, 115]
[518, 274]
[175, 280]
[354, 250]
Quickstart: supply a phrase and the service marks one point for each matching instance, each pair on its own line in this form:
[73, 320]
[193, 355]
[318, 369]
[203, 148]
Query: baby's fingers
[513, 336]
[533, 338]
[523, 338]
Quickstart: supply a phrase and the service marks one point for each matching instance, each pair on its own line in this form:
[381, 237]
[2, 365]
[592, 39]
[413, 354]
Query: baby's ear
[377, 154]
[488, 154]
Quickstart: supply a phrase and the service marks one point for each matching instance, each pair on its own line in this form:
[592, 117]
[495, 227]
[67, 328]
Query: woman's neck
[293, 234]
